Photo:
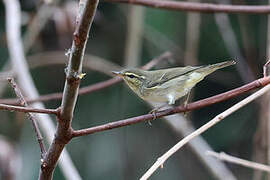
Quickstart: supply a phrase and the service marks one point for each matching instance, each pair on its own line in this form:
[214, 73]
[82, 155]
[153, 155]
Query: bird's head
[133, 77]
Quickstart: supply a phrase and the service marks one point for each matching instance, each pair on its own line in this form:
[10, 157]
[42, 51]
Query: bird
[167, 85]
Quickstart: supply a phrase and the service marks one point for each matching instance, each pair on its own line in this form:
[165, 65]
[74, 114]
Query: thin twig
[198, 7]
[189, 107]
[160, 161]
[225, 157]
[31, 117]
[181, 126]
[28, 109]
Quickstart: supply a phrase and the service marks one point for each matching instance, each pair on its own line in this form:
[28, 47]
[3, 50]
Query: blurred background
[126, 35]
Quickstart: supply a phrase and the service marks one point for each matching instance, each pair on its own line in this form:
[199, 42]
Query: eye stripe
[131, 75]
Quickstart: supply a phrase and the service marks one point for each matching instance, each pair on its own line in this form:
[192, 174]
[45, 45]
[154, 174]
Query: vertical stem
[87, 9]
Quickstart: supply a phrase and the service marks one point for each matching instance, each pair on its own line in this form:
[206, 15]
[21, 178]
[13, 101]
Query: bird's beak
[117, 73]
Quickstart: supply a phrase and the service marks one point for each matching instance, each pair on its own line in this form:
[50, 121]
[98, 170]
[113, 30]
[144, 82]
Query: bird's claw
[153, 112]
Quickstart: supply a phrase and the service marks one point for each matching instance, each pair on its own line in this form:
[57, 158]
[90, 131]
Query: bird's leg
[153, 111]
[171, 101]
[186, 102]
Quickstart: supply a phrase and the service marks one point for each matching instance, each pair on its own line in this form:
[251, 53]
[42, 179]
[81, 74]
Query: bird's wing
[161, 76]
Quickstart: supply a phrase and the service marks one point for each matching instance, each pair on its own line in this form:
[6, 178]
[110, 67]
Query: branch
[198, 146]
[91, 62]
[28, 109]
[197, 7]
[189, 107]
[242, 162]
[19, 65]
[84, 21]
[160, 161]
[31, 117]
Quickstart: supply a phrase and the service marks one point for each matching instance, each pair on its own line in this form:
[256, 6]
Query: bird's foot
[153, 112]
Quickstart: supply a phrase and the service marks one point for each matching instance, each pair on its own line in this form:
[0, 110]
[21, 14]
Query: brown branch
[19, 65]
[28, 109]
[198, 7]
[58, 95]
[31, 117]
[192, 106]
[87, 9]
[90, 88]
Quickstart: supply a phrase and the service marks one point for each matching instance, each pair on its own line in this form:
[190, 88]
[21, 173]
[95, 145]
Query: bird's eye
[131, 76]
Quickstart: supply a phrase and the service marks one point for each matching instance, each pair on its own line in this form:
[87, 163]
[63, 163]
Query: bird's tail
[213, 67]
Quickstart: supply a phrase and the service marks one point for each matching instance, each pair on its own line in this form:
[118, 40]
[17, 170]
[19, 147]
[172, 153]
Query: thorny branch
[31, 117]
